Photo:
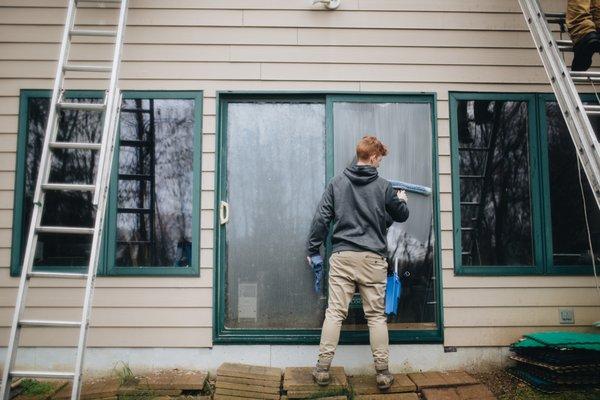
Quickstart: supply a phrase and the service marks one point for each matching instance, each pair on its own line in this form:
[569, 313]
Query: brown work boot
[321, 373]
[384, 377]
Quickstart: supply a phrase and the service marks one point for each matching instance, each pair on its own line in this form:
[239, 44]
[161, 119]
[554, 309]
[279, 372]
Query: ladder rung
[135, 177]
[564, 45]
[42, 374]
[564, 42]
[68, 186]
[98, 1]
[134, 210]
[87, 68]
[136, 110]
[555, 18]
[75, 145]
[134, 143]
[92, 32]
[58, 324]
[473, 148]
[585, 74]
[593, 112]
[65, 105]
[65, 229]
[68, 275]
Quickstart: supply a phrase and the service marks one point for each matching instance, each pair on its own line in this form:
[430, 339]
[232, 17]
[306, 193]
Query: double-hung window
[152, 224]
[518, 204]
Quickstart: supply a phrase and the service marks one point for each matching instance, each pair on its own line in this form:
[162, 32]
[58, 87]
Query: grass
[31, 387]
[125, 375]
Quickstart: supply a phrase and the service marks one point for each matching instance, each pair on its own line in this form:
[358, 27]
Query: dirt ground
[506, 387]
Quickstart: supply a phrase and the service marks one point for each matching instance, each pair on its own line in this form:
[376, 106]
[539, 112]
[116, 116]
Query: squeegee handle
[411, 187]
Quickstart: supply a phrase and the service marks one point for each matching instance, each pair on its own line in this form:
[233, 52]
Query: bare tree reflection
[494, 183]
[569, 234]
[155, 188]
[70, 208]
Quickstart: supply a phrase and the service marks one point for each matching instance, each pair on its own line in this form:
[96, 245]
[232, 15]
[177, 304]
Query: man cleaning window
[359, 203]
[583, 22]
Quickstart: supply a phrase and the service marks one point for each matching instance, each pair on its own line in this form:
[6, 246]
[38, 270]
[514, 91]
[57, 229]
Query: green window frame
[224, 335]
[108, 246]
[539, 189]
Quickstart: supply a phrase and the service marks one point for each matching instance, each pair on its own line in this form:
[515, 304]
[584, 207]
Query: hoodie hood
[361, 174]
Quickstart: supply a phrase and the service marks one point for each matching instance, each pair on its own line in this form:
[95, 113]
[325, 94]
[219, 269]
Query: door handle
[224, 212]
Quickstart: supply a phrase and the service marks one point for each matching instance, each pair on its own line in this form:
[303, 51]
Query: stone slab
[475, 392]
[301, 379]
[92, 389]
[457, 378]
[428, 380]
[174, 379]
[315, 394]
[284, 397]
[440, 394]
[466, 392]
[366, 384]
[249, 395]
[387, 396]
[246, 388]
[249, 372]
[228, 397]
[247, 381]
[144, 391]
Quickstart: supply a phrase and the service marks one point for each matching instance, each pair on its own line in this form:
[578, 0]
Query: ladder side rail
[566, 94]
[36, 214]
[110, 126]
[114, 77]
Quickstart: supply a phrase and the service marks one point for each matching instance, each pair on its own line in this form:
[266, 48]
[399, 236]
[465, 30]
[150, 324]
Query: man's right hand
[316, 263]
[402, 195]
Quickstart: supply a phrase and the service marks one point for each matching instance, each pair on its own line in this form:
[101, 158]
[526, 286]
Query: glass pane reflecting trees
[569, 234]
[155, 187]
[495, 196]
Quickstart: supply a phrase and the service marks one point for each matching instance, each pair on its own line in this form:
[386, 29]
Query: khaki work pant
[583, 17]
[368, 271]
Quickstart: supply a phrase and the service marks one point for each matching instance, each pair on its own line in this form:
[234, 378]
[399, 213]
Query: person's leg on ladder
[581, 16]
[341, 289]
[371, 278]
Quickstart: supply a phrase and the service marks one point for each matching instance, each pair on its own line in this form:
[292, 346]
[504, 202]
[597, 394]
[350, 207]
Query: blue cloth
[316, 262]
[392, 294]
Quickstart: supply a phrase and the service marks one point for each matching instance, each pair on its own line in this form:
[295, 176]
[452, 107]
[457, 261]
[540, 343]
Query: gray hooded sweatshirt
[359, 203]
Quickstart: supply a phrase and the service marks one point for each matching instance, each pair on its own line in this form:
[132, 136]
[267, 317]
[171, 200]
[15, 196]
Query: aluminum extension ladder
[110, 107]
[563, 80]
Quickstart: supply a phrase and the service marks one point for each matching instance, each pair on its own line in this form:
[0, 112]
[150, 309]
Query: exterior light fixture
[329, 4]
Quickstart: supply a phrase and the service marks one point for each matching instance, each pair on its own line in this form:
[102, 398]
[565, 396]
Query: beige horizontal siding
[504, 6]
[115, 337]
[106, 317]
[498, 336]
[515, 317]
[270, 45]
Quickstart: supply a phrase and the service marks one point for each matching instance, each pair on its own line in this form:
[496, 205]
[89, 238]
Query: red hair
[370, 146]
